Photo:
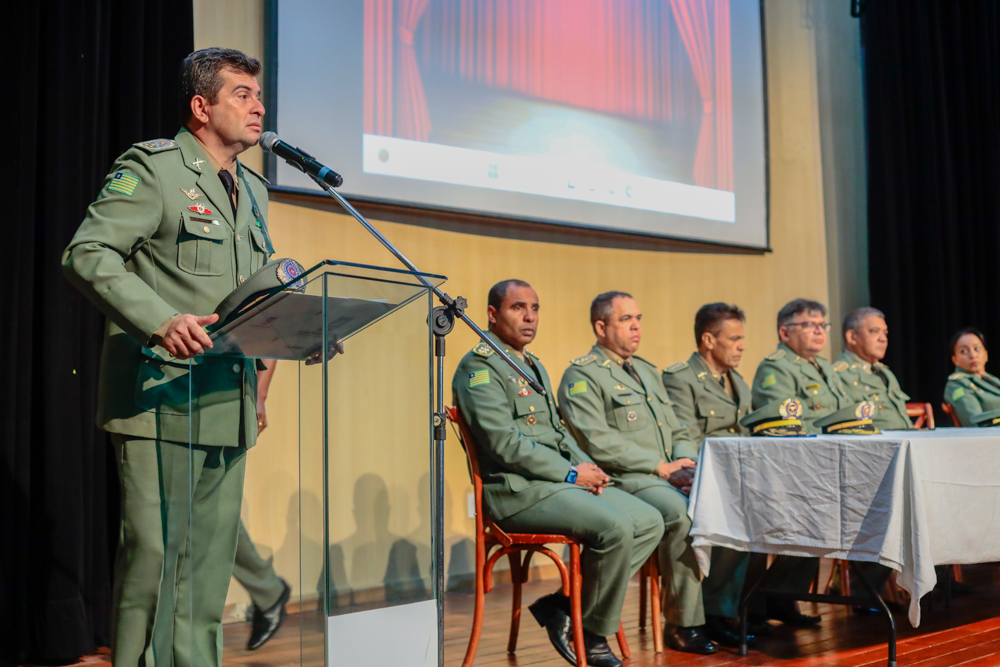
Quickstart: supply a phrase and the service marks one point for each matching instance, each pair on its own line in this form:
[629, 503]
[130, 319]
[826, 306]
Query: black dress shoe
[689, 640]
[874, 608]
[789, 614]
[726, 631]
[599, 654]
[552, 613]
[267, 621]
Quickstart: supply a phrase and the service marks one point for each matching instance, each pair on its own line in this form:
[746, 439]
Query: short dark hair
[961, 332]
[602, 306]
[201, 75]
[797, 306]
[711, 316]
[499, 291]
[854, 318]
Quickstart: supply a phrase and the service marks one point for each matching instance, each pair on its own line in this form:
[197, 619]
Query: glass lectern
[365, 592]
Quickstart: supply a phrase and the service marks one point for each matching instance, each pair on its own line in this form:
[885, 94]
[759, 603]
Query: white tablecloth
[909, 500]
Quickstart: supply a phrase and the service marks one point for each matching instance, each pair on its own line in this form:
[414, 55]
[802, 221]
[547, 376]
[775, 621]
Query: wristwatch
[571, 476]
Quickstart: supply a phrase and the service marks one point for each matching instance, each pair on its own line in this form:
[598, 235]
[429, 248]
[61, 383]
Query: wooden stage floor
[966, 634]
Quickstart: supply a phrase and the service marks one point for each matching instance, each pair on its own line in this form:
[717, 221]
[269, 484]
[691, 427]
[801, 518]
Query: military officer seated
[536, 479]
[616, 405]
[710, 397]
[970, 390]
[795, 370]
[865, 377]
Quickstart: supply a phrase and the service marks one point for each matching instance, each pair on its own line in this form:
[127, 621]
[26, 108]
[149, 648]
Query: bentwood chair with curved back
[924, 413]
[948, 410]
[519, 548]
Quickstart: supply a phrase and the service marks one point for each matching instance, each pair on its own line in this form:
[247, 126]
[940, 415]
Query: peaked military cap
[855, 420]
[273, 277]
[990, 418]
[779, 418]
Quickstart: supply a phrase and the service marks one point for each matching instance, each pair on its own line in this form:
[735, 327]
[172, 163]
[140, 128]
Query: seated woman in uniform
[970, 389]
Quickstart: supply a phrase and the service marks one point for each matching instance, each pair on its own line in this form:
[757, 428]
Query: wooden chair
[650, 574]
[924, 412]
[489, 536]
[948, 410]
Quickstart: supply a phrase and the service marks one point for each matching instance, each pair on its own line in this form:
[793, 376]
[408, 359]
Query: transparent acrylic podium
[364, 592]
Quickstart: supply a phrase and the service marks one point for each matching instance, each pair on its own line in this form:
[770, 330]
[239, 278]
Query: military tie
[227, 180]
[881, 375]
[631, 371]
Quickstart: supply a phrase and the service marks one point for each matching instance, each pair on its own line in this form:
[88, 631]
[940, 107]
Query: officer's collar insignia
[840, 366]
[790, 408]
[701, 375]
[288, 270]
[607, 363]
[202, 210]
[192, 194]
[530, 353]
[197, 164]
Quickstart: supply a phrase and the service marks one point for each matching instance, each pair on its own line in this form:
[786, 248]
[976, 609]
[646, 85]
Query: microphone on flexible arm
[299, 159]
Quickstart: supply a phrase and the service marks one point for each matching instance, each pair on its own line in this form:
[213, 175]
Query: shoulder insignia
[957, 375]
[606, 363]
[255, 173]
[768, 380]
[157, 145]
[840, 366]
[679, 366]
[774, 356]
[124, 183]
[583, 361]
[957, 394]
[483, 350]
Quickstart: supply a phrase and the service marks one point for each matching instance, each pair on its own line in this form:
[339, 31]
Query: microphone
[299, 159]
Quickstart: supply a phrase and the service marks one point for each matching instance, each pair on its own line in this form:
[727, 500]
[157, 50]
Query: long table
[907, 499]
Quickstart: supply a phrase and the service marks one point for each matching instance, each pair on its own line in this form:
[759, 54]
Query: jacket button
[531, 408]
[236, 368]
[649, 400]
[711, 412]
[207, 229]
[239, 238]
[732, 430]
[241, 280]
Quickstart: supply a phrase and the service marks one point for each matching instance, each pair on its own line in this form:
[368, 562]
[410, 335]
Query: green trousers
[681, 581]
[723, 587]
[176, 547]
[619, 533]
[255, 574]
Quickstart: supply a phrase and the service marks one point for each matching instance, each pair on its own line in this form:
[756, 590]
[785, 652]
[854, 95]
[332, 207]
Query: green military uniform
[628, 427]
[162, 239]
[784, 374]
[255, 574]
[525, 456]
[701, 402]
[875, 383]
[968, 395]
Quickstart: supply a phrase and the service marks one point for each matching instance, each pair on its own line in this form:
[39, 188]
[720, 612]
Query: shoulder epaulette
[255, 173]
[583, 361]
[530, 353]
[483, 350]
[957, 375]
[157, 145]
[679, 366]
[840, 366]
[774, 356]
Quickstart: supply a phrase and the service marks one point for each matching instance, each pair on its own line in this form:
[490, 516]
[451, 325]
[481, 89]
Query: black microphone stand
[442, 322]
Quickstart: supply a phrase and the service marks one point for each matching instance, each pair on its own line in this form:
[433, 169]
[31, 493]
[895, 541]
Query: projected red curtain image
[644, 84]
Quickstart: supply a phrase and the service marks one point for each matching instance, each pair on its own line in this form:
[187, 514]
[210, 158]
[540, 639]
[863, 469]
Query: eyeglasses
[815, 326]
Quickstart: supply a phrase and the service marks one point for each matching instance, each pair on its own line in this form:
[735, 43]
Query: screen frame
[428, 210]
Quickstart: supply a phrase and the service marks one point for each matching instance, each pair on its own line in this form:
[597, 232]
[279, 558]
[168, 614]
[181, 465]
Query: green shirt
[784, 374]
[525, 451]
[969, 395]
[701, 402]
[627, 426]
[144, 253]
[864, 384]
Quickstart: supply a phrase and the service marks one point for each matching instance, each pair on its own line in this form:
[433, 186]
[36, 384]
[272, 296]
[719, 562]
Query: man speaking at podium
[177, 226]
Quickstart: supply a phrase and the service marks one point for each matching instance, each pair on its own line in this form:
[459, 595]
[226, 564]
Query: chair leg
[622, 642]
[845, 577]
[643, 577]
[479, 609]
[576, 613]
[958, 574]
[654, 596]
[515, 613]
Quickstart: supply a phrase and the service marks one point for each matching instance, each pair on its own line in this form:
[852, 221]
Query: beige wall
[669, 286]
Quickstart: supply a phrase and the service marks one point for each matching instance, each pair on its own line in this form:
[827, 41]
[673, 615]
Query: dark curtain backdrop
[86, 79]
[932, 95]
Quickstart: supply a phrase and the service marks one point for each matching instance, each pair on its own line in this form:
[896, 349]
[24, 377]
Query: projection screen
[639, 116]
